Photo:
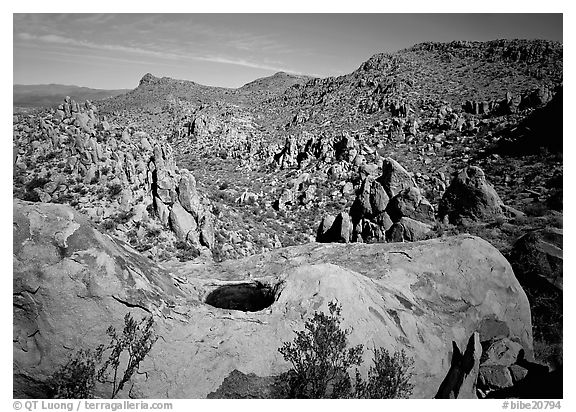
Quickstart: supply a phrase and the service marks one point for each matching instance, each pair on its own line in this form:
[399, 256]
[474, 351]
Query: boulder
[187, 193]
[162, 211]
[494, 377]
[239, 385]
[362, 206]
[410, 203]
[342, 228]
[308, 195]
[501, 351]
[470, 198]
[286, 198]
[407, 230]
[537, 256]
[394, 177]
[247, 198]
[181, 222]
[368, 211]
[323, 229]
[337, 230]
[71, 283]
[348, 188]
[207, 230]
[367, 231]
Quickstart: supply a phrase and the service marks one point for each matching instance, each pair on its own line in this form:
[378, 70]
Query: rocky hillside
[419, 80]
[420, 157]
[268, 87]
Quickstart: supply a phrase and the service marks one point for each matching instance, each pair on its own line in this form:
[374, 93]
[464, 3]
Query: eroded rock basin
[246, 297]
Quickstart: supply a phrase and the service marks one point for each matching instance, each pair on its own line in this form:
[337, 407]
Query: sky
[111, 51]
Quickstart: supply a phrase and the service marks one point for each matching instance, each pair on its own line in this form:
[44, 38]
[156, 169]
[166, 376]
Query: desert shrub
[30, 196]
[153, 232]
[536, 209]
[77, 378]
[225, 197]
[321, 360]
[143, 246]
[136, 340]
[185, 251]
[36, 182]
[50, 156]
[132, 236]
[388, 377]
[108, 225]
[124, 217]
[114, 189]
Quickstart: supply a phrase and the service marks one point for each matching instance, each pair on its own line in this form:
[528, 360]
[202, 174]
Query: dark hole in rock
[247, 297]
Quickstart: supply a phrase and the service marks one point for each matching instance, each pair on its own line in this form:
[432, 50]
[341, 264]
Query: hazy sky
[116, 50]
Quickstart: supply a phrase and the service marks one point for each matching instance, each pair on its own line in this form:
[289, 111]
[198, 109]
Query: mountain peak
[149, 78]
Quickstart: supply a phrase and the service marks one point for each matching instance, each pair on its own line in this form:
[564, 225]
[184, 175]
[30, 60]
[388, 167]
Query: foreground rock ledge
[72, 282]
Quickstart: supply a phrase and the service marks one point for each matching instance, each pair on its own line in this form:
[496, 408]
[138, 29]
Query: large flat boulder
[72, 282]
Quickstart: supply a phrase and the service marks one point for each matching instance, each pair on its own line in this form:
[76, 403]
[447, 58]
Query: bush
[185, 251]
[137, 339]
[388, 378]
[77, 378]
[153, 232]
[108, 225]
[114, 189]
[124, 217]
[319, 357]
[320, 362]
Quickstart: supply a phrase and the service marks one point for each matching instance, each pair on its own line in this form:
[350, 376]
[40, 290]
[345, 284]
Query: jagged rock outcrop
[375, 217]
[72, 282]
[510, 104]
[301, 150]
[461, 378]
[286, 198]
[368, 212]
[119, 177]
[176, 200]
[470, 198]
[223, 129]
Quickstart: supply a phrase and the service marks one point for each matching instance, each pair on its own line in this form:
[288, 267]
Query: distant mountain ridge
[51, 95]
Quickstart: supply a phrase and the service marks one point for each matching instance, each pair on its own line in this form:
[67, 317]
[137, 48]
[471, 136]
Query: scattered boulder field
[431, 210]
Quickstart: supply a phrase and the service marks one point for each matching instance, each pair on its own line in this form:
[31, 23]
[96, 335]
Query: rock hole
[247, 297]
